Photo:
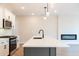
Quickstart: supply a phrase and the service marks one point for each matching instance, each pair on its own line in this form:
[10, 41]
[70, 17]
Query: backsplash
[7, 32]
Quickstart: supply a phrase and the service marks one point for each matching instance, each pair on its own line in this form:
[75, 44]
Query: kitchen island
[42, 47]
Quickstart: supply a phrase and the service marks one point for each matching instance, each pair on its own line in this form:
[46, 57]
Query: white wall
[28, 26]
[68, 24]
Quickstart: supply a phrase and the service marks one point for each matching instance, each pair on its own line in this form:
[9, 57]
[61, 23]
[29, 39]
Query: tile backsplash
[6, 32]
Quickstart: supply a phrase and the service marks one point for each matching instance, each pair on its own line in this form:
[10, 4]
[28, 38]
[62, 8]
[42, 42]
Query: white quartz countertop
[46, 42]
[72, 43]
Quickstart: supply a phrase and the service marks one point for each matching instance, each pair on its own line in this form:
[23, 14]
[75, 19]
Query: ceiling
[38, 8]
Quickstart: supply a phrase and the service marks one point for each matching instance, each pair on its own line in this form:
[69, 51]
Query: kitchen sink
[37, 37]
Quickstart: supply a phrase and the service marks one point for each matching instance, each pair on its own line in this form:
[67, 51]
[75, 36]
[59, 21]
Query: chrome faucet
[42, 32]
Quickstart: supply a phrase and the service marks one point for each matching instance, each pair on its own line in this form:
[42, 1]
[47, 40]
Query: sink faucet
[42, 32]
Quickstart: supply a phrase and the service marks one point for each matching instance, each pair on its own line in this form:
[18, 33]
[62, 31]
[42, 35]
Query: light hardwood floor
[18, 52]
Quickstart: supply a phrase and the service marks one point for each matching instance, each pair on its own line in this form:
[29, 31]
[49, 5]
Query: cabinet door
[1, 23]
[6, 49]
[1, 50]
[4, 46]
[1, 17]
[7, 14]
[12, 17]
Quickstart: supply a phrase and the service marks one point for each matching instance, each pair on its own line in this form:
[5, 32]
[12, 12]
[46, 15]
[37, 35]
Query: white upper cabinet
[1, 17]
[1, 13]
[7, 15]
[10, 16]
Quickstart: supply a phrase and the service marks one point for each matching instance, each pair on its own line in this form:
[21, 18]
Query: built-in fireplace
[68, 36]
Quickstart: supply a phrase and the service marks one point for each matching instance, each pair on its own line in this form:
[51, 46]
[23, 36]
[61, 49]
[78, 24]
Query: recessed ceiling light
[52, 5]
[55, 11]
[33, 13]
[22, 7]
[45, 18]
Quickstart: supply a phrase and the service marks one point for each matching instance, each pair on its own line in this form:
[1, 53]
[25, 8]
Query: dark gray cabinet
[39, 51]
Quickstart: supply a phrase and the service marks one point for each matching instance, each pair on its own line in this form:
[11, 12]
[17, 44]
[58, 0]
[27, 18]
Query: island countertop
[46, 42]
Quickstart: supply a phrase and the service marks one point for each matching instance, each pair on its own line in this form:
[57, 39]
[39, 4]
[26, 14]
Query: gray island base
[39, 51]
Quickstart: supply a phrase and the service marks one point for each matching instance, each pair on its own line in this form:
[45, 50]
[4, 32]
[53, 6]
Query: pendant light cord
[46, 8]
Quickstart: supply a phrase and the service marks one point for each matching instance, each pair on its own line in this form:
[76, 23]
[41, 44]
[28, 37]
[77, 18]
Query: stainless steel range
[12, 44]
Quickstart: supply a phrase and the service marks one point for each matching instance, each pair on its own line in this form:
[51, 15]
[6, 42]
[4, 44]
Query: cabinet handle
[4, 46]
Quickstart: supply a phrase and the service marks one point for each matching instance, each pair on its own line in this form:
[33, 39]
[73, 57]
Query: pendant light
[45, 17]
[46, 11]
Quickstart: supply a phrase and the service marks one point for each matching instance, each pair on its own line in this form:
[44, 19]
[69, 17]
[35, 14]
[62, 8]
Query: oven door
[12, 44]
[68, 37]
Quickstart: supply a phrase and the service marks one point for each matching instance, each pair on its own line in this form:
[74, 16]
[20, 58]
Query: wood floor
[18, 52]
